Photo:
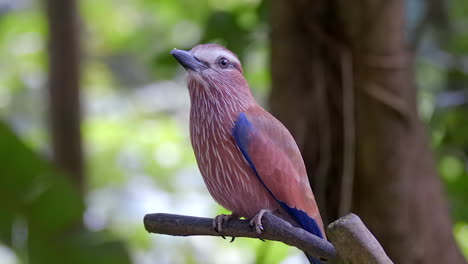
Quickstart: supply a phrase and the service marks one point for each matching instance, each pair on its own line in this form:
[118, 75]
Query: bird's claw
[256, 222]
[218, 222]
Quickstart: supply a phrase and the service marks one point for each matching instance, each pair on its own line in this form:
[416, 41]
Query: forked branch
[359, 246]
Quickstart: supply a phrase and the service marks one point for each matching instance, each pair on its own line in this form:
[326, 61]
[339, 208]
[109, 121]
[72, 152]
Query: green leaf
[51, 207]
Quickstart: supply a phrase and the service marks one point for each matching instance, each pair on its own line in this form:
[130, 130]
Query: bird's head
[213, 69]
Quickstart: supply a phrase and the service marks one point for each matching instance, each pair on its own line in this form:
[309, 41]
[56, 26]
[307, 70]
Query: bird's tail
[313, 260]
[306, 222]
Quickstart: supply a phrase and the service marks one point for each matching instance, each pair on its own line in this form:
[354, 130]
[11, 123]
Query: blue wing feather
[305, 221]
[242, 133]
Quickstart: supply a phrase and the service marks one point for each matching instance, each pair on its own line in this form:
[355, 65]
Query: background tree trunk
[64, 97]
[343, 84]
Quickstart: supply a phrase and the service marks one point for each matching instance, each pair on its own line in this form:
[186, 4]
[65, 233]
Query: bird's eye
[223, 63]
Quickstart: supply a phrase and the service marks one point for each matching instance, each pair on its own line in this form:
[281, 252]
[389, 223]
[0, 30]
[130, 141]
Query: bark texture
[63, 88]
[343, 84]
[352, 241]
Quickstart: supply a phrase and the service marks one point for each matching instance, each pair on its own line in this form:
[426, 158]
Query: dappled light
[138, 158]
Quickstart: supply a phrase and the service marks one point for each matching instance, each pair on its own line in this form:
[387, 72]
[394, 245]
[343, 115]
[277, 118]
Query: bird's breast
[226, 173]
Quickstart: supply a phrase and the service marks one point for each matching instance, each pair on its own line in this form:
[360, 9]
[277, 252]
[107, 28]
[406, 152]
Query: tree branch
[354, 242]
[275, 229]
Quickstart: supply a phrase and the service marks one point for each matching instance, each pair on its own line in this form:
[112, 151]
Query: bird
[248, 159]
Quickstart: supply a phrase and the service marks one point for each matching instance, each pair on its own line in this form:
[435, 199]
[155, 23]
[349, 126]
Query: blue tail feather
[313, 260]
[307, 223]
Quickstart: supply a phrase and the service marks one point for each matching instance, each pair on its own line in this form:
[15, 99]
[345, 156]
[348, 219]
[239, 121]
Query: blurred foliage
[45, 211]
[135, 127]
[135, 124]
[442, 74]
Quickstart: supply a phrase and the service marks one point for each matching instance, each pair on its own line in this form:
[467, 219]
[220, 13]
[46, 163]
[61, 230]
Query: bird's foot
[256, 222]
[218, 222]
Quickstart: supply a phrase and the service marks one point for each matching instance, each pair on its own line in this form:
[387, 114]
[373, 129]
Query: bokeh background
[134, 128]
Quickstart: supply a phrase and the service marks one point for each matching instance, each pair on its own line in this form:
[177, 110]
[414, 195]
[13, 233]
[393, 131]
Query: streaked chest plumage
[226, 173]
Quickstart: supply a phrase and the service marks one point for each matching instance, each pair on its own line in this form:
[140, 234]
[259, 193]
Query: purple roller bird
[249, 161]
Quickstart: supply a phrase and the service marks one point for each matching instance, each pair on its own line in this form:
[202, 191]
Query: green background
[135, 128]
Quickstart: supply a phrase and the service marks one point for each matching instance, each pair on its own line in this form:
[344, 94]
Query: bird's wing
[275, 158]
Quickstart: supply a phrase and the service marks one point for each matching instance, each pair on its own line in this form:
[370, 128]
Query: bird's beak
[187, 60]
